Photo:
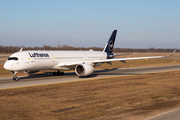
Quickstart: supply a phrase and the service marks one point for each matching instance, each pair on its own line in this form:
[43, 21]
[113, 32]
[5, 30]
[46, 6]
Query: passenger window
[12, 58]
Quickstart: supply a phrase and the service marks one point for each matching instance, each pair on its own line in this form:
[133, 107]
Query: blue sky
[140, 23]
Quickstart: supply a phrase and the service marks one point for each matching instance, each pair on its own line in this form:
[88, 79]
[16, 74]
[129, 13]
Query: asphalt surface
[39, 79]
[1, 62]
[171, 115]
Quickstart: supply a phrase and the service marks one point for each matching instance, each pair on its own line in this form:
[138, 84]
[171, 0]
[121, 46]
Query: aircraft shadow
[113, 71]
[47, 74]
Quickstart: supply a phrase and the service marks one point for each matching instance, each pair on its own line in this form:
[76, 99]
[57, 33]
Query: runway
[170, 115]
[1, 62]
[40, 79]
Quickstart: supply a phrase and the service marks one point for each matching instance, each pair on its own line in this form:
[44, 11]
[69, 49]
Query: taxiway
[170, 115]
[41, 79]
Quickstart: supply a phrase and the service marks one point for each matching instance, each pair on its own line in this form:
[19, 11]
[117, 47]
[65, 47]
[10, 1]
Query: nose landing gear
[15, 78]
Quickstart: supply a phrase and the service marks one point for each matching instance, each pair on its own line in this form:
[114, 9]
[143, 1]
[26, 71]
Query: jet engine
[31, 72]
[84, 69]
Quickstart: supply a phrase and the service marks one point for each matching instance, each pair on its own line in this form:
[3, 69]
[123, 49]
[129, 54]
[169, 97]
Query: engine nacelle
[31, 72]
[84, 69]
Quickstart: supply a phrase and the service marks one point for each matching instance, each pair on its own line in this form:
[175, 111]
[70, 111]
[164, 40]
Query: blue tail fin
[110, 45]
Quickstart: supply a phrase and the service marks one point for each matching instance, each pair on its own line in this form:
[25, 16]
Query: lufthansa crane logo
[111, 46]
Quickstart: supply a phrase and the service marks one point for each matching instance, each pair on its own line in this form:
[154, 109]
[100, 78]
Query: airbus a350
[83, 62]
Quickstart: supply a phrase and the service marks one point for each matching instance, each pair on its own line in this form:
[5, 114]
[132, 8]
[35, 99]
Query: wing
[73, 64]
[172, 53]
[135, 58]
[122, 59]
[104, 61]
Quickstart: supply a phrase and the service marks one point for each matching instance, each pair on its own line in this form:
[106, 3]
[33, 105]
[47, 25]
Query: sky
[88, 23]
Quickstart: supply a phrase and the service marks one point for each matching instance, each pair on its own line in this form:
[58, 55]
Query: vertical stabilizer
[110, 45]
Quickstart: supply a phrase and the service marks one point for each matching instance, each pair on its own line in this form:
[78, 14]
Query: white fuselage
[50, 60]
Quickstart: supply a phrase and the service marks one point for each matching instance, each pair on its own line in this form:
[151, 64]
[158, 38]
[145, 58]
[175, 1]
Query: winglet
[21, 49]
[172, 53]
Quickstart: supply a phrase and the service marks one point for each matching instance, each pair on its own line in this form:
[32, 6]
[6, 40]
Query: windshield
[12, 58]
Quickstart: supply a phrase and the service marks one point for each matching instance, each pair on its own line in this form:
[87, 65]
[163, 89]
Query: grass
[89, 99]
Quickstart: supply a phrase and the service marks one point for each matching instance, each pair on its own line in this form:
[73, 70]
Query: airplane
[83, 62]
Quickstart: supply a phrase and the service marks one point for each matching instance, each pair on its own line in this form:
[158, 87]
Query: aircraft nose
[6, 66]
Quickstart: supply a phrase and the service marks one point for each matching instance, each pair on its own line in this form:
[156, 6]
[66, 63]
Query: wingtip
[21, 49]
[172, 53]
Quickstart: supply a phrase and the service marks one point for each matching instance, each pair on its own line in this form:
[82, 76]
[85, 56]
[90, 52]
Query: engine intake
[84, 69]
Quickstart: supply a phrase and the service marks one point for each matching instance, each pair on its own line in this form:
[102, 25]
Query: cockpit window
[12, 58]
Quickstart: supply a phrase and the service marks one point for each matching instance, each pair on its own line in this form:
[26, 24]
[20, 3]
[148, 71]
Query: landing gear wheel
[54, 73]
[62, 73]
[58, 72]
[15, 78]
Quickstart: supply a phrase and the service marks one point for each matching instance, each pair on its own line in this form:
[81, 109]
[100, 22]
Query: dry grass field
[125, 97]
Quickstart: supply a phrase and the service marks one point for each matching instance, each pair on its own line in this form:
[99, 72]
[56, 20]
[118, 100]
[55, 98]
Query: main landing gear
[58, 73]
[15, 78]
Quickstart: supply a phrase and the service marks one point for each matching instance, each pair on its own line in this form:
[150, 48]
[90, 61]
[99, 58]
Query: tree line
[12, 49]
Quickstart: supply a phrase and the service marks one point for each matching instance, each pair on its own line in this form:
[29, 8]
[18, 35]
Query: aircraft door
[27, 59]
[53, 58]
